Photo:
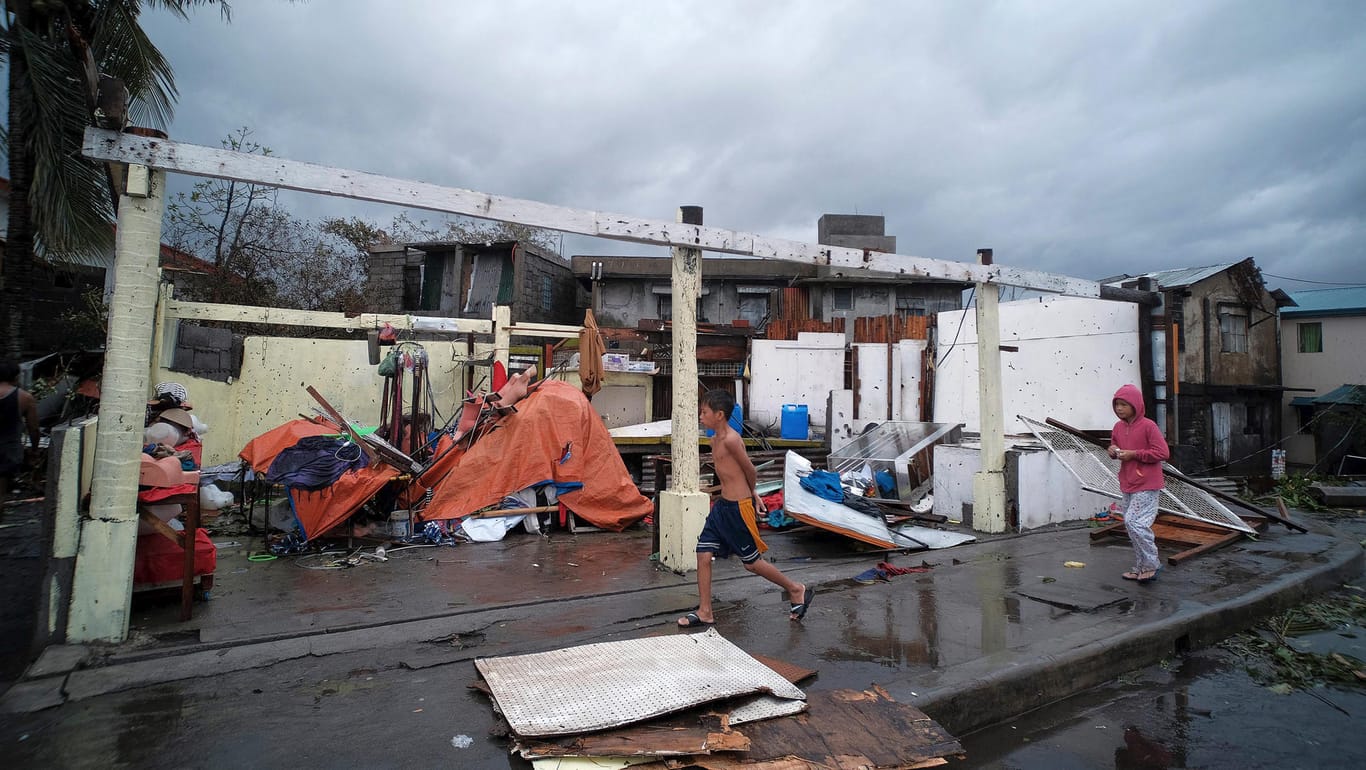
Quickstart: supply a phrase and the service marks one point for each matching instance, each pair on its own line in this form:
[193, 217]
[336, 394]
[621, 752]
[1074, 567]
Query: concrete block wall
[384, 283]
[855, 231]
[534, 269]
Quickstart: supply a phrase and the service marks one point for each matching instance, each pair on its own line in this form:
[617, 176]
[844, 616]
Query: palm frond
[68, 195]
[123, 50]
[181, 7]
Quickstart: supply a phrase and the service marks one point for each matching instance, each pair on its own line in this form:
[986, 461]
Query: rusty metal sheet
[609, 684]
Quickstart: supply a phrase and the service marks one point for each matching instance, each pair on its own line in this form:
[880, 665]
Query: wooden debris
[1191, 536]
[842, 730]
[685, 734]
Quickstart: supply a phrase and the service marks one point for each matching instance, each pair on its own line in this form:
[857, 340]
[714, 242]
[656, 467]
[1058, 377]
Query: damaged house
[1325, 379]
[465, 280]
[1221, 404]
[748, 304]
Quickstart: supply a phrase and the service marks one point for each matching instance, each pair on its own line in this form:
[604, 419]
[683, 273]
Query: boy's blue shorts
[731, 529]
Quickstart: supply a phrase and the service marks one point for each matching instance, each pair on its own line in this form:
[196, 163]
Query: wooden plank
[680, 735]
[219, 163]
[211, 311]
[844, 729]
[1175, 559]
[342, 423]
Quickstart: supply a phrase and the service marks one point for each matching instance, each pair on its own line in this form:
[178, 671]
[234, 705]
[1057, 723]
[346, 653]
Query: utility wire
[1324, 283]
[959, 330]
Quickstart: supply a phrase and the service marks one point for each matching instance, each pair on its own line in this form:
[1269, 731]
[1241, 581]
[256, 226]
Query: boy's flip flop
[798, 611]
[691, 620]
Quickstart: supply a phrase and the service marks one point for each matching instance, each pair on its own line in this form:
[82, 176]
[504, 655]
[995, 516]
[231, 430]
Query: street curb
[1004, 693]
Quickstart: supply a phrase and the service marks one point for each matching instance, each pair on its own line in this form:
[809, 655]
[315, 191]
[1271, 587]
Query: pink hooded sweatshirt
[1143, 436]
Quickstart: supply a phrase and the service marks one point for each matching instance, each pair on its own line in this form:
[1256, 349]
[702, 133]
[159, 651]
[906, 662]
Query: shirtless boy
[731, 526]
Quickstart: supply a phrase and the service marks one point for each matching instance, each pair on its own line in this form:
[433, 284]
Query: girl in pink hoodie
[1138, 444]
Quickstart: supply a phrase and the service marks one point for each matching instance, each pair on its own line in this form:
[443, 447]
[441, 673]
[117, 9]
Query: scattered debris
[665, 701]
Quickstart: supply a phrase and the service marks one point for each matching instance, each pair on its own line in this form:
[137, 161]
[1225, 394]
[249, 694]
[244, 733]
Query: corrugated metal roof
[1341, 301]
[1182, 276]
[1347, 394]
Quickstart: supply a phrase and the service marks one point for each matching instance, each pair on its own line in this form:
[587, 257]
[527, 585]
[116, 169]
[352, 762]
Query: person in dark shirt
[18, 411]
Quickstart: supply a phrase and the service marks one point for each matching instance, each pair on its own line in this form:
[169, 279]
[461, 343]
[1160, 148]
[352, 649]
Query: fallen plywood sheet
[816, 511]
[843, 730]
[1072, 597]
[596, 763]
[609, 684]
[677, 735]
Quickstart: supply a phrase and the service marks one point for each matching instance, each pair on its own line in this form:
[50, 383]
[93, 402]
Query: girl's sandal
[1130, 576]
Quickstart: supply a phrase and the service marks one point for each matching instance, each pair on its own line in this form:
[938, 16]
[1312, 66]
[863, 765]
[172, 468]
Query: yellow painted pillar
[103, 583]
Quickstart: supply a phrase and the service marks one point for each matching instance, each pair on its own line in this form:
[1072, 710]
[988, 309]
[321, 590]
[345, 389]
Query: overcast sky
[1087, 138]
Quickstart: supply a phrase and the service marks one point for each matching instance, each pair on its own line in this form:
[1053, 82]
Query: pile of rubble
[697, 700]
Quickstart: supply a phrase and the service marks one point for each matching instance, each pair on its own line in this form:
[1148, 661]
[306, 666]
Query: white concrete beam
[219, 163]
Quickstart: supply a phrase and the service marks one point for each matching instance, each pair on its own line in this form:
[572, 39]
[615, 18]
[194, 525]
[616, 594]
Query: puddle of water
[1201, 711]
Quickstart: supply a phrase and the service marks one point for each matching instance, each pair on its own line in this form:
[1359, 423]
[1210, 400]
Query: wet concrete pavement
[310, 667]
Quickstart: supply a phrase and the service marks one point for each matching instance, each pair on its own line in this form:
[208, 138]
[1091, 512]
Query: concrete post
[683, 508]
[502, 338]
[989, 485]
[103, 583]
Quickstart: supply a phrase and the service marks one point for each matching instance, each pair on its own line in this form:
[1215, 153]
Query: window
[842, 298]
[908, 305]
[666, 308]
[1233, 328]
[1304, 415]
[753, 308]
[547, 292]
[1311, 337]
[1253, 422]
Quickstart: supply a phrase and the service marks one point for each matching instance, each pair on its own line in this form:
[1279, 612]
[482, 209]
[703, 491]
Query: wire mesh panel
[1099, 473]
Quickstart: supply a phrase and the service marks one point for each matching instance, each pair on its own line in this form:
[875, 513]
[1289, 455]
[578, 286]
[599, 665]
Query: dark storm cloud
[1084, 138]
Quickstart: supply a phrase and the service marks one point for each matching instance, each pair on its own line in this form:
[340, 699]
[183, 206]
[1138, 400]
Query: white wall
[1045, 491]
[801, 371]
[275, 370]
[905, 388]
[1073, 355]
[1340, 363]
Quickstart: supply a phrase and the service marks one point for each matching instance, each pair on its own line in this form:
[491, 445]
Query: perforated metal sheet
[609, 684]
[762, 707]
[1098, 472]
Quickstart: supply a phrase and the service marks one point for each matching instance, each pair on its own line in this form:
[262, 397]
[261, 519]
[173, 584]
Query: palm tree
[72, 64]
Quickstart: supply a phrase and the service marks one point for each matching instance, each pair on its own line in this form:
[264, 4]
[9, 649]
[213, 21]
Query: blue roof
[1316, 302]
[1347, 394]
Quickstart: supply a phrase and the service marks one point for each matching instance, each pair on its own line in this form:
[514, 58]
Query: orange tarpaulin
[261, 451]
[321, 510]
[554, 436]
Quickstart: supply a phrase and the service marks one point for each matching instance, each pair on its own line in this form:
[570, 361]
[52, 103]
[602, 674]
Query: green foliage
[1294, 490]
[1272, 661]
[86, 325]
[57, 52]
